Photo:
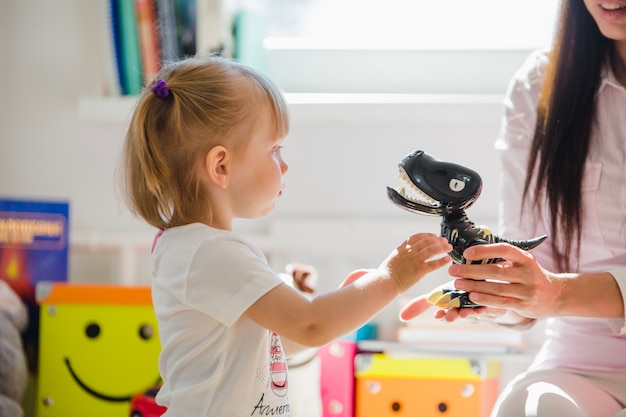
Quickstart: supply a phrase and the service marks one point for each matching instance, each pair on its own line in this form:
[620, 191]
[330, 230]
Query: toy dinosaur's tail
[524, 244]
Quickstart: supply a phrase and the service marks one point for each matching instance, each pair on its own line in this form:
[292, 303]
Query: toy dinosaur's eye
[456, 185]
[92, 330]
[146, 331]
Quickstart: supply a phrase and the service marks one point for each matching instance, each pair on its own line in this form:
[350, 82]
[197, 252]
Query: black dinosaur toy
[437, 188]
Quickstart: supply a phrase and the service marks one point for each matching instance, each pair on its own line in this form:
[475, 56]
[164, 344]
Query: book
[34, 239]
[132, 78]
[209, 26]
[111, 82]
[462, 333]
[117, 45]
[148, 39]
[462, 337]
[251, 28]
[166, 29]
[185, 11]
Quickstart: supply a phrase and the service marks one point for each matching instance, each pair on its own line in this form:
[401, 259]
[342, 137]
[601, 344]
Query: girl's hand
[419, 255]
[518, 283]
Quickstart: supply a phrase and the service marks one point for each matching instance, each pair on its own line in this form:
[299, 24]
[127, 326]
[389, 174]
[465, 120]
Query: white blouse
[600, 343]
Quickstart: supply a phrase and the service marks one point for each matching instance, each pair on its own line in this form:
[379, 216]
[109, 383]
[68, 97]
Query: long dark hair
[565, 117]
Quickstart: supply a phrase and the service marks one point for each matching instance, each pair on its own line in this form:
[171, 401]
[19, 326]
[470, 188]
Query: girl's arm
[324, 318]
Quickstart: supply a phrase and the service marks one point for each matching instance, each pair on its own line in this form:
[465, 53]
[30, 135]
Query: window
[412, 24]
[400, 46]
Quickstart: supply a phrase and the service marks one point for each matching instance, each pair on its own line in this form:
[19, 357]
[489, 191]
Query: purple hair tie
[160, 89]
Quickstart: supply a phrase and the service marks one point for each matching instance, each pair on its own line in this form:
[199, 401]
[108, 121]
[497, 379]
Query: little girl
[204, 148]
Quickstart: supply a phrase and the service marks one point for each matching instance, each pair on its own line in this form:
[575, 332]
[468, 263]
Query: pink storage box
[337, 378]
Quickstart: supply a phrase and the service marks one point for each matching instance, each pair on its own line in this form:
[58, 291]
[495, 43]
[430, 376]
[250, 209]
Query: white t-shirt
[572, 342]
[215, 361]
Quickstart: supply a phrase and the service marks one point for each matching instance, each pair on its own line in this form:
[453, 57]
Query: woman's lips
[612, 11]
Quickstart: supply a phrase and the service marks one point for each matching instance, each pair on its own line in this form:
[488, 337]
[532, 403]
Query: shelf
[312, 107]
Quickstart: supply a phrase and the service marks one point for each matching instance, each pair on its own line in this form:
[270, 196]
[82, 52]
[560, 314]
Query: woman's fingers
[502, 289]
[415, 307]
[510, 257]
[517, 283]
[496, 250]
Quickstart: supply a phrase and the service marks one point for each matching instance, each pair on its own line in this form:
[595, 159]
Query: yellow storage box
[98, 346]
[426, 387]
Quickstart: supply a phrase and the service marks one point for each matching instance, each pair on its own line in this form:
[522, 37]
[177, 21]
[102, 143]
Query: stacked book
[138, 36]
[462, 335]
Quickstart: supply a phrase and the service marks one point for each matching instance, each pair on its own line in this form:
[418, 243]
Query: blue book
[109, 48]
[34, 238]
[115, 30]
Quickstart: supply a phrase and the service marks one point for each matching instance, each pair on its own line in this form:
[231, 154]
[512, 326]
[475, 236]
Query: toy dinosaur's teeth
[411, 192]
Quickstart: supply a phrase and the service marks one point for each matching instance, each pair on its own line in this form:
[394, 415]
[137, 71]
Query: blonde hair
[211, 101]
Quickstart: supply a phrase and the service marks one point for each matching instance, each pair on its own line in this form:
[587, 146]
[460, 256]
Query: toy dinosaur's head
[434, 187]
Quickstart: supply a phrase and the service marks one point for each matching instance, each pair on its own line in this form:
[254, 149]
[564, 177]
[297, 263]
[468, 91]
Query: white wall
[342, 151]
[50, 59]
[341, 156]
[334, 213]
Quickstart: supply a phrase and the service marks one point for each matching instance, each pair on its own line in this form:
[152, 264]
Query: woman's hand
[518, 283]
[517, 290]
[420, 304]
[511, 292]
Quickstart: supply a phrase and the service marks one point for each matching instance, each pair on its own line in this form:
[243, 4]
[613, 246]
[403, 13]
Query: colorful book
[186, 26]
[251, 27]
[115, 28]
[148, 39]
[166, 29]
[33, 248]
[132, 78]
[111, 76]
[426, 332]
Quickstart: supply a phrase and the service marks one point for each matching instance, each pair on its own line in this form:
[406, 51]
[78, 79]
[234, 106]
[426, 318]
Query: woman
[563, 149]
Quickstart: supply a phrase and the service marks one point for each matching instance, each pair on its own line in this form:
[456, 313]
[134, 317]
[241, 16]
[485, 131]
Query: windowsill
[294, 43]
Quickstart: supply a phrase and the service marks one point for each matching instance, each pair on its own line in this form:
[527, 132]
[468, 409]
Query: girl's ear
[217, 166]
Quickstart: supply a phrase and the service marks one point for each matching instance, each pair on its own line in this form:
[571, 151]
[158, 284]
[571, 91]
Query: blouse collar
[608, 77]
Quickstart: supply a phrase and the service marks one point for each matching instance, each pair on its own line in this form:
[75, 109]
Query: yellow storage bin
[98, 346]
[426, 387]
